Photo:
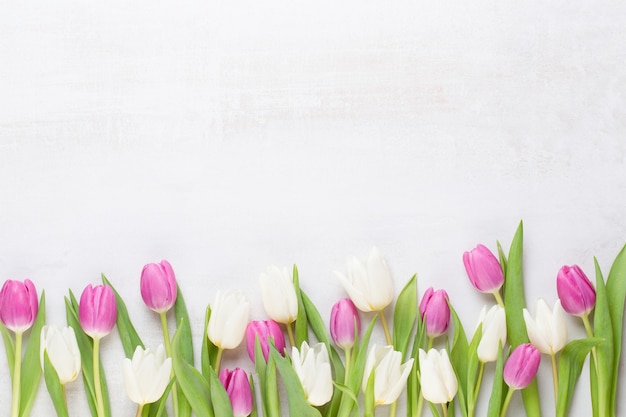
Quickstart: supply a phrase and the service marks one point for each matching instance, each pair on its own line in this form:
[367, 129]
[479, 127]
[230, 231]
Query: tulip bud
[548, 330]
[435, 312]
[97, 310]
[147, 375]
[158, 286]
[439, 383]
[369, 283]
[483, 269]
[390, 375]
[237, 387]
[493, 333]
[576, 292]
[521, 367]
[18, 305]
[230, 313]
[279, 295]
[312, 365]
[265, 330]
[63, 352]
[344, 323]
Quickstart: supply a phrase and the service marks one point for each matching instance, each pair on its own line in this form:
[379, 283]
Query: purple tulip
[158, 286]
[434, 308]
[343, 319]
[266, 330]
[578, 297]
[18, 305]
[238, 388]
[97, 310]
[483, 269]
[521, 367]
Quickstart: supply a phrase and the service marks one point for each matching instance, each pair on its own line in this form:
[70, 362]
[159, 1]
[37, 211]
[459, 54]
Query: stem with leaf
[15, 400]
[168, 351]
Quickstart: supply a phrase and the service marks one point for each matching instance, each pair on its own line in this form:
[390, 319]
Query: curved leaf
[55, 389]
[404, 316]
[31, 365]
[298, 405]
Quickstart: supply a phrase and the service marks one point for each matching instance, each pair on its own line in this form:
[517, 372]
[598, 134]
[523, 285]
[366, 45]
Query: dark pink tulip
[434, 307]
[344, 317]
[158, 286]
[521, 367]
[18, 305]
[266, 330]
[238, 388]
[578, 297]
[483, 269]
[97, 310]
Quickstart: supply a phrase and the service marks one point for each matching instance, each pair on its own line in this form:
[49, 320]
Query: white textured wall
[226, 137]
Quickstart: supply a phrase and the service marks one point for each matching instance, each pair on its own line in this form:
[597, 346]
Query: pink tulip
[434, 308]
[578, 297]
[18, 305]
[344, 317]
[238, 388]
[97, 310]
[521, 367]
[158, 286]
[483, 269]
[266, 330]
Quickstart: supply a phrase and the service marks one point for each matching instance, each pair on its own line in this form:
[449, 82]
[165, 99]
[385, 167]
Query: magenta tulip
[483, 269]
[521, 367]
[345, 323]
[18, 305]
[266, 330]
[158, 286]
[238, 388]
[435, 312]
[578, 297]
[97, 310]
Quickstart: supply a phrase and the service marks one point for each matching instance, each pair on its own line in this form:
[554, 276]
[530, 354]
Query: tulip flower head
[97, 310]
[312, 365]
[237, 387]
[493, 333]
[146, 375]
[266, 331]
[158, 286]
[439, 383]
[230, 313]
[483, 269]
[63, 352]
[390, 375]
[18, 305]
[344, 323]
[521, 367]
[279, 295]
[435, 312]
[575, 291]
[547, 331]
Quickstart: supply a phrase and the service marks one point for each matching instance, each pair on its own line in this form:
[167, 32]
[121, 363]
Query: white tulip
[493, 333]
[548, 330]
[279, 295]
[389, 374]
[312, 365]
[63, 352]
[146, 376]
[369, 283]
[230, 313]
[438, 380]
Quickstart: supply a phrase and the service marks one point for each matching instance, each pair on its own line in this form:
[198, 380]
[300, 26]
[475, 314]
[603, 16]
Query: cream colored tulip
[312, 365]
[147, 375]
[390, 375]
[438, 380]
[230, 314]
[279, 295]
[493, 333]
[63, 352]
[547, 331]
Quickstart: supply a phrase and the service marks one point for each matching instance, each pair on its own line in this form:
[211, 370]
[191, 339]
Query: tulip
[312, 365]
[279, 295]
[493, 333]
[521, 367]
[158, 286]
[576, 292]
[266, 331]
[18, 305]
[63, 352]
[390, 375]
[230, 313]
[147, 375]
[345, 323]
[547, 331]
[97, 310]
[237, 387]
[438, 380]
[435, 312]
[483, 269]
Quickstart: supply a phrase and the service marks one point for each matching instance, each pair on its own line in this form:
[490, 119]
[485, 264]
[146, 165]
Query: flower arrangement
[335, 370]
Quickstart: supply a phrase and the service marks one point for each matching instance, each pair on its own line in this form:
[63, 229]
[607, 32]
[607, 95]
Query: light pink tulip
[238, 388]
[158, 286]
[435, 311]
[577, 295]
[344, 323]
[521, 367]
[266, 330]
[97, 310]
[18, 305]
[483, 269]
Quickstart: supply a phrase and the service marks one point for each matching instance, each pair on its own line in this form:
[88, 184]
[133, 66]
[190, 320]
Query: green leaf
[219, 397]
[616, 293]
[157, 409]
[603, 329]
[404, 316]
[498, 389]
[501, 256]
[271, 385]
[186, 347]
[209, 350]
[459, 355]
[31, 365]
[302, 330]
[9, 347]
[298, 405]
[254, 412]
[128, 335]
[344, 389]
[55, 389]
[370, 399]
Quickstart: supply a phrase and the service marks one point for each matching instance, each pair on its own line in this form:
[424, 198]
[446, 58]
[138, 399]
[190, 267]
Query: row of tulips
[338, 376]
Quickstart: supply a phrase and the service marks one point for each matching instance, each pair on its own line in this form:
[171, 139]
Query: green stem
[218, 360]
[431, 341]
[348, 353]
[290, 334]
[507, 401]
[168, 351]
[444, 409]
[393, 408]
[555, 377]
[96, 377]
[472, 403]
[17, 374]
[385, 327]
[499, 298]
[139, 410]
[420, 405]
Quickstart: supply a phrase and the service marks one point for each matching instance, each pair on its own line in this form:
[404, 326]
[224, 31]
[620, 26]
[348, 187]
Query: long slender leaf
[128, 335]
[603, 329]
[219, 397]
[616, 293]
[271, 384]
[31, 365]
[9, 346]
[302, 330]
[370, 400]
[404, 316]
[186, 347]
[209, 350]
[498, 389]
[55, 389]
[459, 358]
